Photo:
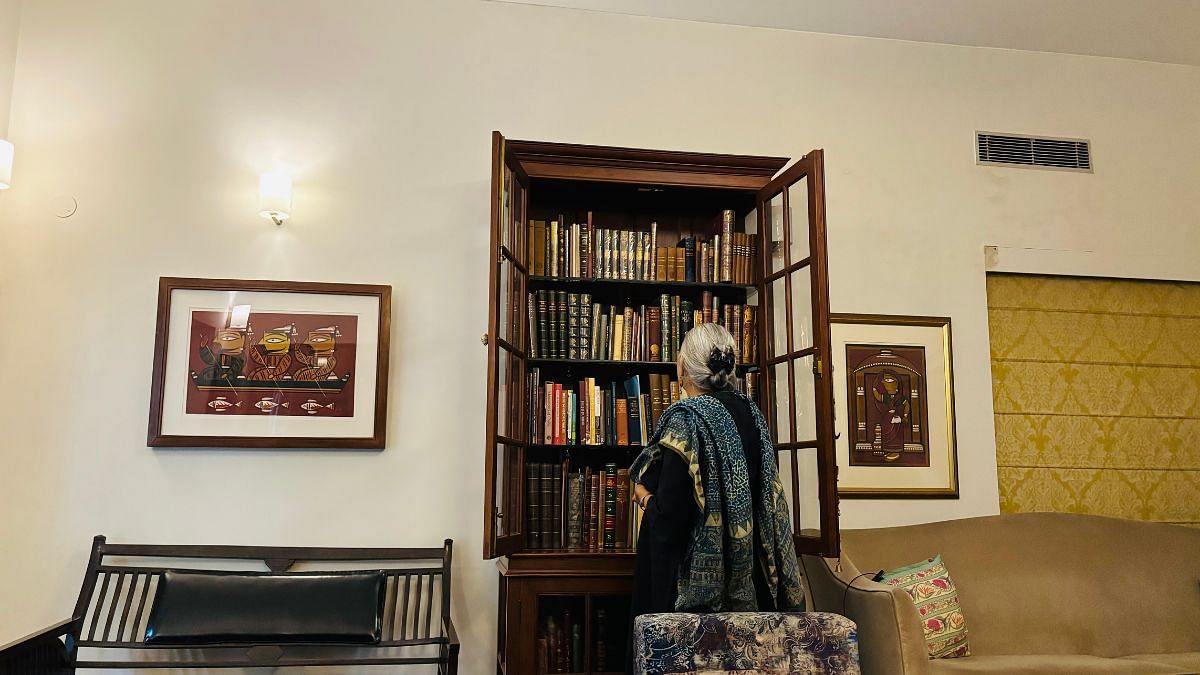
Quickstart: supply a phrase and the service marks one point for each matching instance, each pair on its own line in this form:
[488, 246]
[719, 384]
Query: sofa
[1040, 592]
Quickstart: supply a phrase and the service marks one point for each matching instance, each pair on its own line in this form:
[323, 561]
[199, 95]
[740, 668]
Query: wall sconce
[6, 161]
[275, 196]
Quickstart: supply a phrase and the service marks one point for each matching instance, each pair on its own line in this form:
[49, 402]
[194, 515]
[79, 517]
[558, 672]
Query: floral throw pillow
[936, 599]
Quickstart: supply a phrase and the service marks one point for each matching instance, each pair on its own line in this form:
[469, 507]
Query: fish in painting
[221, 404]
[312, 407]
[268, 405]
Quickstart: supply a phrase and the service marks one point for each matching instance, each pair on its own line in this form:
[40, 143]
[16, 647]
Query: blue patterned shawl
[717, 573]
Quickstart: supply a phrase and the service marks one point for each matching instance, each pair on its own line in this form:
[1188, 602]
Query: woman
[716, 533]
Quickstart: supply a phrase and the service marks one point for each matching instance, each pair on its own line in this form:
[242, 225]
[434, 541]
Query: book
[573, 325]
[622, 423]
[627, 335]
[552, 248]
[531, 307]
[680, 256]
[621, 535]
[543, 325]
[618, 337]
[585, 325]
[575, 511]
[654, 333]
[686, 319]
[633, 398]
[727, 217]
[660, 264]
[706, 304]
[593, 509]
[533, 513]
[653, 244]
[556, 504]
[610, 506]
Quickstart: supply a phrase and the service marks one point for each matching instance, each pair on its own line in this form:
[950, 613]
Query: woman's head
[707, 358]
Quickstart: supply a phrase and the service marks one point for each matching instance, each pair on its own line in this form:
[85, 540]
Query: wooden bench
[120, 589]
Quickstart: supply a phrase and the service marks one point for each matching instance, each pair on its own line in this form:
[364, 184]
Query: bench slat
[99, 606]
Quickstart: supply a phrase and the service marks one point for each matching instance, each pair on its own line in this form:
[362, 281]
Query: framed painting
[270, 364]
[895, 404]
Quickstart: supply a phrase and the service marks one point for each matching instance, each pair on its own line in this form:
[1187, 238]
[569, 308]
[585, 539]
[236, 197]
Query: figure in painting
[272, 356]
[890, 414]
[317, 354]
[224, 356]
[887, 410]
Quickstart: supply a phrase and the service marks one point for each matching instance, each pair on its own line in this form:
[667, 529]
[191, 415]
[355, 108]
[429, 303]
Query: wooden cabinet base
[546, 598]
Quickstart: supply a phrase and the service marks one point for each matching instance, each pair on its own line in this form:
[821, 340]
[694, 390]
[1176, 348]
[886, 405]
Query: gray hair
[708, 356]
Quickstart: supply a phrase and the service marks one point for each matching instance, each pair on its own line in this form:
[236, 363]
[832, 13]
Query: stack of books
[588, 412]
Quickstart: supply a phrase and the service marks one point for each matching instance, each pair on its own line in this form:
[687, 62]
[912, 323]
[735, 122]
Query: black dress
[667, 524]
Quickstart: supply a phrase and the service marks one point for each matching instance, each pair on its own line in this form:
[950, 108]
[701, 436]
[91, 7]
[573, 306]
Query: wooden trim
[489, 461]
[166, 285]
[630, 165]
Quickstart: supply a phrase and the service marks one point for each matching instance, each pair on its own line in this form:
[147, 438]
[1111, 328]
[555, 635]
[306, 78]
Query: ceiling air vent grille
[1071, 154]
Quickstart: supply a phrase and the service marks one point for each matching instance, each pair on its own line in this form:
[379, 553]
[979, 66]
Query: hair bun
[720, 361]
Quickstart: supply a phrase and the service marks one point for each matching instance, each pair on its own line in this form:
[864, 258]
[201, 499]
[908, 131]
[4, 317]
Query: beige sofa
[1040, 592]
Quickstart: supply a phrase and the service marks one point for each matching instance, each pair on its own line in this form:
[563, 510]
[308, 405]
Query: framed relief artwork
[270, 364]
[895, 406]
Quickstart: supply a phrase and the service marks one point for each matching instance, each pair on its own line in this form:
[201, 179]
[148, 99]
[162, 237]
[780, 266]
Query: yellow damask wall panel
[1096, 387]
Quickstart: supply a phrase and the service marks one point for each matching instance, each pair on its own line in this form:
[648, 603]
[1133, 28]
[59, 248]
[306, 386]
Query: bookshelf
[601, 260]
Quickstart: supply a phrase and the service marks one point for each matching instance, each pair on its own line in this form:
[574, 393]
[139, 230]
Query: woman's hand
[640, 493]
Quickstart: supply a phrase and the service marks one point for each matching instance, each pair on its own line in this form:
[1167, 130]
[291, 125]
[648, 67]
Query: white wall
[157, 118]
[10, 18]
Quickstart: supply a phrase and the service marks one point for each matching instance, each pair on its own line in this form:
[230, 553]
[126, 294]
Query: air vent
[1070, 154]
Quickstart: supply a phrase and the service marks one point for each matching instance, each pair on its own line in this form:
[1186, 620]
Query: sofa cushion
[1187, 660]
[929, 584]
[1050, 664]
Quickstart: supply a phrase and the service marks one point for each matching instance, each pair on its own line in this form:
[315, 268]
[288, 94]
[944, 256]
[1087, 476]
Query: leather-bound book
[654, 332]
[631, 249]
[531, 305]
[618, 337]
[622, 530]
[575, 511]
[563, 322]
[680, 264]
[610, 506]
[727, 245]
[594, 509]
[556, 483]
[660, 264]
[543, 326]
[622, 409]
[665, 353]
[652, 268]
[674, 391]
[533, 513]
[572, 325]
[706, 304]
[585, 326]
[585, 248]
[686, 319]
[627, 338]
[752, 273]
[688, 244]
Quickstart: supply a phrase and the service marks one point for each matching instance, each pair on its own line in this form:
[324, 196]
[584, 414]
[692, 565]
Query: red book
[558, 414]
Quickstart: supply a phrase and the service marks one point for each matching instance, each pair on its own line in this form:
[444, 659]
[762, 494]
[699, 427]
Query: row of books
[591, 413]
[582, 251]
[584, 510]
[560, 643]
[565, 325]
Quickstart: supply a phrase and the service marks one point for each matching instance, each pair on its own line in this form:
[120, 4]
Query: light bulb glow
[275, 196]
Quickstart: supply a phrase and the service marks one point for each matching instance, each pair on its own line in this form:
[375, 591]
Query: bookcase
[601, 259]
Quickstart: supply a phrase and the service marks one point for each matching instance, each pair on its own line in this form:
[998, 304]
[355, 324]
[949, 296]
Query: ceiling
[1166, 31]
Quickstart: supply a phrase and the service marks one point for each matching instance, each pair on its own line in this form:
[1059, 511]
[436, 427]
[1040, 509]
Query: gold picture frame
[894, 403]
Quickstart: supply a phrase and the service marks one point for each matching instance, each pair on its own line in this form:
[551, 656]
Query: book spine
[689, 258]
[575, 512]
[676, 327]
[573, 325]
[546, 504]
[622, 407]
[622, 502]
[627, 337]
[585, 325]
[533, 511]
[652, 270]
[680, 256]
[655, 399]
[706, 302]
[610, 506]
[563, 323]
[727, 245]
[531, 308]
[590, 272]
[664, 322]
[594, 509]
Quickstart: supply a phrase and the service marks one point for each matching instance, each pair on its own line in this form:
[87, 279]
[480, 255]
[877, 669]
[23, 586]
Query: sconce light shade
[6, 160]
[275, 196]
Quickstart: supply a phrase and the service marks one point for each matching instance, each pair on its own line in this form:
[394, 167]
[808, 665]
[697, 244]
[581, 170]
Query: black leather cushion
[205, 608]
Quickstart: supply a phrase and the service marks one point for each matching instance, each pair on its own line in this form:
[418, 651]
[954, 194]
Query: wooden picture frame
[894, 388]
[316, 379]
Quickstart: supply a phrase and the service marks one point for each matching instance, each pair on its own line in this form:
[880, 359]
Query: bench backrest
[122, 579]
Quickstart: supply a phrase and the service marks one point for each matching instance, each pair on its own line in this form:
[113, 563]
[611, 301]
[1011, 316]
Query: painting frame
[889, 335]
[373, 421]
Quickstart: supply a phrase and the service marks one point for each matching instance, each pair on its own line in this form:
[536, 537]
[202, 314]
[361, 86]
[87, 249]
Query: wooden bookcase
[682, 192]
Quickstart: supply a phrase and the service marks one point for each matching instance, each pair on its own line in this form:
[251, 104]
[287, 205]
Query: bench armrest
[451, 648]
[41, 648]
[891, 639]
